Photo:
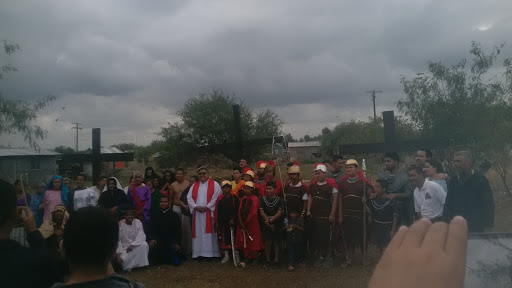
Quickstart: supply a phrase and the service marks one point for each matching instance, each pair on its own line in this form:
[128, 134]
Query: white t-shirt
[429, 200]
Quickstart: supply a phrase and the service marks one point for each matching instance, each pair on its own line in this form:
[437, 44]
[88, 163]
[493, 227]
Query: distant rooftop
[304, 144]
[5, 152]
[108, 150]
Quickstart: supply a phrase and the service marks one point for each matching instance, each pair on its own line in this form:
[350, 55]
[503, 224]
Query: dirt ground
[214, 274]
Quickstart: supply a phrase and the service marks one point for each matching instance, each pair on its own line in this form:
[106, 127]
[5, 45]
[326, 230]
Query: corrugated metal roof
[4, 152]
[304, 144]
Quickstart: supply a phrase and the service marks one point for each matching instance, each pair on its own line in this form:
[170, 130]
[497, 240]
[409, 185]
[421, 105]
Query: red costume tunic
[248, 211]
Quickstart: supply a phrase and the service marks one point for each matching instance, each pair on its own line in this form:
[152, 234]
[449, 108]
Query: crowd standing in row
[162, 220]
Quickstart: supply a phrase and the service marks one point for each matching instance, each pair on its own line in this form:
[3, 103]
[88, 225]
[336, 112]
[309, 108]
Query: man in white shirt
[429, 197]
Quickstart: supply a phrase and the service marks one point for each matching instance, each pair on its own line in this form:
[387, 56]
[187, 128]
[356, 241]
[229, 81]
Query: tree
[289, 138]
[356, 132]
[208, 119]
[471, 106]
[19, 116]
[64, 150]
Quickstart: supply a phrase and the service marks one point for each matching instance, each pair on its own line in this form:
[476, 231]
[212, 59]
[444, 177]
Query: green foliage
[471, 106]
[357, 132]
[64, 150]
[208, 118]
[18, 116]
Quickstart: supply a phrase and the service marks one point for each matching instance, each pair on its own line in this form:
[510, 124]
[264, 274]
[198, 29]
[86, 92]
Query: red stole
[209, 195]
[138, 203]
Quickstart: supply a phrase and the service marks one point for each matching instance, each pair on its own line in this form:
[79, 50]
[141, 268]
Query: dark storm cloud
[311, 61]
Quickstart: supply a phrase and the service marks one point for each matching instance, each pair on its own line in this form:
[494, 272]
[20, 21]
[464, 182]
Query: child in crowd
[385, 216]
[271, 210]
[248, 236]
[294, 242]
[226, 213]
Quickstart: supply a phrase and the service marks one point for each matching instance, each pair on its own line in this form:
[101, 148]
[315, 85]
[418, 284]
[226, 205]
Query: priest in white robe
[201, 201]
[132, 249]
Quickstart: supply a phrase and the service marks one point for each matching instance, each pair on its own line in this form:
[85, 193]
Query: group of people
[255, 215]
[149, 214]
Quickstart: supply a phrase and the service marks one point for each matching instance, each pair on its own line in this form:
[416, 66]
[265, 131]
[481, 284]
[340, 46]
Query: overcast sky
[128, 66]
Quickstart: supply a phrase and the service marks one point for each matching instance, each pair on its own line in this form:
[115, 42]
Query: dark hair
[167, 197]
[335, 158]
[82, 175]
[8, 203]
[148, 181]
[131, 177]
[112, 179]
[237, 169]
[383, 183]
[90, 237]
[327, 161]
[195, 177]
[180, 169]
[101, 178]
[289, 164]
[18, 181]
[418, 170]
[436, 164]
[428, 153]
[272, 184]
[392, 155]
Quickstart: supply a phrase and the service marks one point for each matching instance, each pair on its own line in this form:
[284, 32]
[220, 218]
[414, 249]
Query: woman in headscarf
[149, 174]
[56, 193]
[37, 198]
[114, 198]
[53, 229]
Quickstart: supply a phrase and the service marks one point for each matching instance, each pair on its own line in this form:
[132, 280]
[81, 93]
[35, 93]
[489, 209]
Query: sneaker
[290, 268]
[319, 262]
[267, 264]
[328, 263]
[225, 259]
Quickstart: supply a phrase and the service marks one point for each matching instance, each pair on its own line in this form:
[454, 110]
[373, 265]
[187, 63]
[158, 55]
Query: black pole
[238, 130]
[374, 111]
[96, 152]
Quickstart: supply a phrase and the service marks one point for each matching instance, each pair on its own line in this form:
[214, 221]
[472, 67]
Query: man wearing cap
[260, 172]
[237, 184]
[226, 213]
[352, 208]
[249, 177]
[400, 188]
[297, 193]
[201, 202]
[248, 236]
[132, 249]
[322, 203]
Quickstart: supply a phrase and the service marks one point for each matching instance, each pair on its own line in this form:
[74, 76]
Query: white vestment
[85, 198]
[204, 245]
[132, 235]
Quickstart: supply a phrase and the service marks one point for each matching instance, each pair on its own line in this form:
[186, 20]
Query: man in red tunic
[248, 236]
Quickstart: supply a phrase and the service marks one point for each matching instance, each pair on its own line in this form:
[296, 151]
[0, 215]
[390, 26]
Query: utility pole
[373, 99]
[76, 139]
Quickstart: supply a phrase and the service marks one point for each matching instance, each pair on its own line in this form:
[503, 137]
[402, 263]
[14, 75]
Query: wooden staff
[23, 190]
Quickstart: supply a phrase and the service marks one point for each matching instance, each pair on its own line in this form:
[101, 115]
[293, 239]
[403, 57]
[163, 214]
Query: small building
[33, 165]
[106, 167]
[304, 151]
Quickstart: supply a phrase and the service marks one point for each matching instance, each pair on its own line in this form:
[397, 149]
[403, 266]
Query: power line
[373, 99]
[77, 127]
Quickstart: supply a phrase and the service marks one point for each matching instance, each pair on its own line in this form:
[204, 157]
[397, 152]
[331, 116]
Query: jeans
[294, 251]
